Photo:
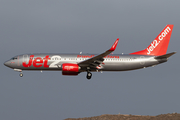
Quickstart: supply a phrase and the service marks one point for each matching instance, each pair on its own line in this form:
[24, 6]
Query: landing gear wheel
[20, 74]
[89, 75]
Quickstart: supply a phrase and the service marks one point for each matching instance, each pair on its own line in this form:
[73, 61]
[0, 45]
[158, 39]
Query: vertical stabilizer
[159, 45]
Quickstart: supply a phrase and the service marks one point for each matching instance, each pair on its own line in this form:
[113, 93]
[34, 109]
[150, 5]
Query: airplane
[73, 64]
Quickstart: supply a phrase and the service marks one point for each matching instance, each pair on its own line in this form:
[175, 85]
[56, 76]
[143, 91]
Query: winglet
[114, 45]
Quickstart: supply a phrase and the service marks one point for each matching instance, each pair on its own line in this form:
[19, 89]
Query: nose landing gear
[19, 70]
[20, 74]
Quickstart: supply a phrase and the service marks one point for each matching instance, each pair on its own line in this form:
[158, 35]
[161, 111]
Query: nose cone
[7, 63]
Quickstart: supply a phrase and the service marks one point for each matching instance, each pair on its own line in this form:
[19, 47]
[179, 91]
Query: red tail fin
[159, 45]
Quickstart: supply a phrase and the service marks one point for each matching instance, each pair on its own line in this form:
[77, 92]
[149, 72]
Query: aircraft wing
[95, 61]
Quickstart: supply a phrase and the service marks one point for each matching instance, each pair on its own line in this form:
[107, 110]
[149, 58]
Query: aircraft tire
[21, 75]
[89, 75]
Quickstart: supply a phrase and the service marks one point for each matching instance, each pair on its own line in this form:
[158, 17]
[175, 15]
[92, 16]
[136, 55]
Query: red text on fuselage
[37, 62]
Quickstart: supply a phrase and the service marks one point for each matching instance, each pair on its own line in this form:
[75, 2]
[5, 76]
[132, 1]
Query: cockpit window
[14, 58]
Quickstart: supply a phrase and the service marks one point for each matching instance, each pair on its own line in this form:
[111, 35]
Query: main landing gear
[89, 75]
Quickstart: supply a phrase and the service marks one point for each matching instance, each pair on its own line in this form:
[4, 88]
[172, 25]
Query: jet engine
[70, 69]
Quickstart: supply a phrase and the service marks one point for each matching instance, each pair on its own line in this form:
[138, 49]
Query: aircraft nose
[7, 63]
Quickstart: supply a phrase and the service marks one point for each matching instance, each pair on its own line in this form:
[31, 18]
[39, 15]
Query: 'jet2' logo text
[38, 62]
[155, 43]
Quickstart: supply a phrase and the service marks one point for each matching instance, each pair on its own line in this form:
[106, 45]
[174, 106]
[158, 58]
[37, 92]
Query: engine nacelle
[70, 69]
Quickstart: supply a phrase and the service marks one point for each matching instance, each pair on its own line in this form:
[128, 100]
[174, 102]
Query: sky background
[90, 26]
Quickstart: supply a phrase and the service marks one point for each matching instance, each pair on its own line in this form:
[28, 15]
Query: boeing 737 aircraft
[73, 64]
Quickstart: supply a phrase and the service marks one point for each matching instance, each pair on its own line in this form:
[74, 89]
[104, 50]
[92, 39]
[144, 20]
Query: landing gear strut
[89, 75]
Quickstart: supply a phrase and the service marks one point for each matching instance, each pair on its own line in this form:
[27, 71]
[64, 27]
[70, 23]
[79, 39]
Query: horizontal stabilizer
[165, 56]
